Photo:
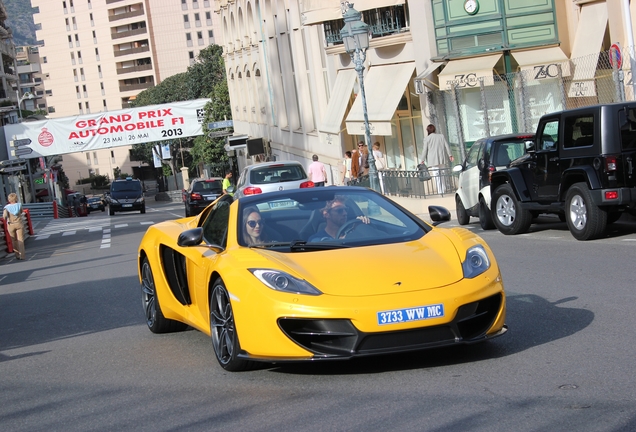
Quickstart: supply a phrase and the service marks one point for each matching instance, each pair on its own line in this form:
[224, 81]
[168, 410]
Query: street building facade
[473, 68]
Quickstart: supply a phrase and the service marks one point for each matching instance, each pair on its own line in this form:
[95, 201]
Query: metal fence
[411, 184]
[516, 101]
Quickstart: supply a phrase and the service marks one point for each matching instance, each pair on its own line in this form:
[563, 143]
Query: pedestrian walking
[12, 213]
[359, 161]
[317, 172]
[435, 154]
[380, 163]
[346, 163]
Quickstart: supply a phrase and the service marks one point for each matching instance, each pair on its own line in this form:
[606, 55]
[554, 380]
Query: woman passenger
[253, 226]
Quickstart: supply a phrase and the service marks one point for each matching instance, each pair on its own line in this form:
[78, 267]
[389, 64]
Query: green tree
[203, 79]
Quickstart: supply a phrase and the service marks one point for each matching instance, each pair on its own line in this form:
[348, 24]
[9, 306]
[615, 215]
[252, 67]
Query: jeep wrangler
[581, 168]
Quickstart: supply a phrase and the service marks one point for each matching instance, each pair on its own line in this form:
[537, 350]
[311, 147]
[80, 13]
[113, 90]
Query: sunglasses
[360, 145]
[339, 210]
[253, 223]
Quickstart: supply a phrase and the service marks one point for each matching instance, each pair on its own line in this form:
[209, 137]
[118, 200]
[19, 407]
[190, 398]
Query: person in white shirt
[346, 178]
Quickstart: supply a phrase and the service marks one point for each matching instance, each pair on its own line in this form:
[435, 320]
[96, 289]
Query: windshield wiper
[303, 246]
[268, 245]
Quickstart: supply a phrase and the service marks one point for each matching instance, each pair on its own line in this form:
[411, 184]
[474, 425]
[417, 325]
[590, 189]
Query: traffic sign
[615, 56]
[21, 151]
[221, 124]
[219, 134]
[20, 142]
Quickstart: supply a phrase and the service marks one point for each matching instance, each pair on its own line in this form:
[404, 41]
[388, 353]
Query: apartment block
[97, 55]
[8, 76]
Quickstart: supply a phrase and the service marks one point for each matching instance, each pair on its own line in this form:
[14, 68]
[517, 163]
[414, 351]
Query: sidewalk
[419, 206]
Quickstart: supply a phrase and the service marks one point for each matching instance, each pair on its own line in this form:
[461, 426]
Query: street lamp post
[26, 95]
[355, 36]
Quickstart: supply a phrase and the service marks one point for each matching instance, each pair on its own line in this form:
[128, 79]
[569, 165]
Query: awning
[419, 87]
[543, 63]
[588, 40]
[468, 72]
[318, 11]
[340, 95]
[384, 87]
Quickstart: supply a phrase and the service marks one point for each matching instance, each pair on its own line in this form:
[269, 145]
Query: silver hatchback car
[272, 176]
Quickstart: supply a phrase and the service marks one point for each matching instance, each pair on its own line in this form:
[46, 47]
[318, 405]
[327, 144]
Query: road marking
[42, 237]
[121, 226]
[147, 223]
[68, 233]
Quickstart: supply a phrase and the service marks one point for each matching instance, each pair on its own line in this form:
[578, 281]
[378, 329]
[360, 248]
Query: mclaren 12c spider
[316, 274]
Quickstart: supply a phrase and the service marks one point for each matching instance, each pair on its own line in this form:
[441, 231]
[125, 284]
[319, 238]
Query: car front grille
[329, 338]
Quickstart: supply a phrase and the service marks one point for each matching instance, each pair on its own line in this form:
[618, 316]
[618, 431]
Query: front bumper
[326, 327]
[127, 207]
[340, 339]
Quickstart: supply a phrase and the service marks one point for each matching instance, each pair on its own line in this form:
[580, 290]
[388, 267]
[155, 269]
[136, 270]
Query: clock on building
[471, 6]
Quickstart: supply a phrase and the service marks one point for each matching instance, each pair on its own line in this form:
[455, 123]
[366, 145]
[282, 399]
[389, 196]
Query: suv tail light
[491, 169]
[306, 184]
[610, 163]
[252, 190]
[195, 196]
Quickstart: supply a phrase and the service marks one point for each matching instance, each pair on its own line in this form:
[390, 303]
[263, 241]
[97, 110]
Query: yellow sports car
[321, 273]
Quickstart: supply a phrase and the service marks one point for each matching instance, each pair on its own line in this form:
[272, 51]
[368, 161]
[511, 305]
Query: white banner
[155, 157]
[165, 151]
[106, 129]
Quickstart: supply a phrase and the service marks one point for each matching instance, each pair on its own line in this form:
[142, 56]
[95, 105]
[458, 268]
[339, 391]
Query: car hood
[428, 263]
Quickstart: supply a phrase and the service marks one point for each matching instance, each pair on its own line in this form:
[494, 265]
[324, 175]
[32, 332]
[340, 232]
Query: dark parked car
[95, 203]
[485, 156]
[126, 195]
[201, 193]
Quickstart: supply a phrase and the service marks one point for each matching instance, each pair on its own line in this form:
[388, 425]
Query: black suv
[126, 195]
[201, 193]
[581, 168]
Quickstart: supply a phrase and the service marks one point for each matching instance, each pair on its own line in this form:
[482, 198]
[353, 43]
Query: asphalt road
[76, 355]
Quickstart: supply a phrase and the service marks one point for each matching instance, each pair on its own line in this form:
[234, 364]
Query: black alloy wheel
[155, 320]
[223, 330]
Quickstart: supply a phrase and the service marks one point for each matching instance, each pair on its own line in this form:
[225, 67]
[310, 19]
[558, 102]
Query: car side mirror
[458, 168]
[191, 237]
[480, 164]
[439, 214]
[230, 189]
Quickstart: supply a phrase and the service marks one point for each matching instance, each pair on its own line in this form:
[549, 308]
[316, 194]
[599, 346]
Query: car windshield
[92, 200]
[304, 220]
[126, 186]
[212, 186]
[277, 174]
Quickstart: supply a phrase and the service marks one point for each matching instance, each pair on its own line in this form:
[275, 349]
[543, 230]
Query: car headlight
[476, 262]
[284, 282]
[114, 201]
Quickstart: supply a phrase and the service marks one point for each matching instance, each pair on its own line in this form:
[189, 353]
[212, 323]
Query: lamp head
[355, 33]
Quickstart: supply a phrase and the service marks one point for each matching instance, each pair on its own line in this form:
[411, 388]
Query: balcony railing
[125, 15]
[382, 22]
[136, 68]
[132, 51]
[131, 87]
[129, 33]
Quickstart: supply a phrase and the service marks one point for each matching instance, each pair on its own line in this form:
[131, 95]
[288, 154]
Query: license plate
[417, 313]
[126, 205]
[278, 204]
